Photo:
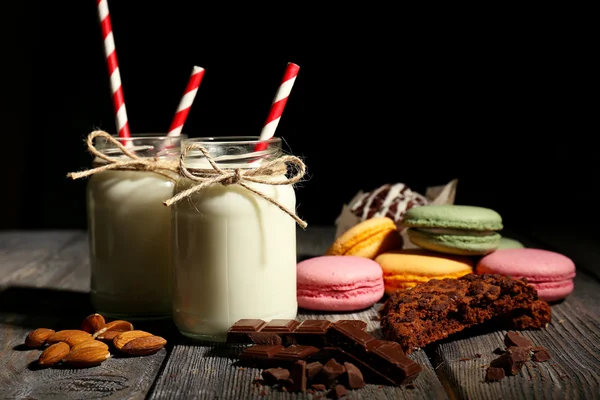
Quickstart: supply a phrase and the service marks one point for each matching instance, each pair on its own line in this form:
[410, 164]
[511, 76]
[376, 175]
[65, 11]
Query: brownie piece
[438, 308]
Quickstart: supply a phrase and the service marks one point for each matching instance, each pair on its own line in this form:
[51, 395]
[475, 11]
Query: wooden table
[44, 280]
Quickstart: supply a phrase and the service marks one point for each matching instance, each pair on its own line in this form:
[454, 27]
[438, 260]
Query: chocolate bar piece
[312, 332]
[273, 376]
[295, 352]
[389, 361]
[384, 358]
[264, 338]
[283, 328]
[238, 333]
[260, 355]
[351, 340]
[360, 324]
[297, 380]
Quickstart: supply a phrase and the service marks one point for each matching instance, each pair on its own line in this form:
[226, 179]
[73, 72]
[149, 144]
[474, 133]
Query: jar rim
[225, 140]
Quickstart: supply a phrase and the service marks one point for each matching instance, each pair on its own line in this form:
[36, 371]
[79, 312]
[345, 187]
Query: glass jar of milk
[130, 232]
[234, 252]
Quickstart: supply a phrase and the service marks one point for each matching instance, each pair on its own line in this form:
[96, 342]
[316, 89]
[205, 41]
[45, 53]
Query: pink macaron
[339, 283]
[551, 273]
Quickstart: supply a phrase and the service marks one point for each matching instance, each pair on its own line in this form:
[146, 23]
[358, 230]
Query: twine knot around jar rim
[241, 176]
[132, 162]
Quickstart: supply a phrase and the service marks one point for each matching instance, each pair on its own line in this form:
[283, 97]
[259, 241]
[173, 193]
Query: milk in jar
[130, 233]
[234, 252]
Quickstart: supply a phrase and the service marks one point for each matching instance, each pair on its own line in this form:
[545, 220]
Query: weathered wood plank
[195, 371]
[210, 371]
[23, 255]
[45, 283]
[572, 338]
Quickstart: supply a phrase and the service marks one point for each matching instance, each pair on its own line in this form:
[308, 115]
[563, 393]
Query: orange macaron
[368, 239]
[403, 269]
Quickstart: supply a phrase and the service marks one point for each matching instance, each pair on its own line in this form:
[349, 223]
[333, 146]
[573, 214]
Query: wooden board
[46, 279]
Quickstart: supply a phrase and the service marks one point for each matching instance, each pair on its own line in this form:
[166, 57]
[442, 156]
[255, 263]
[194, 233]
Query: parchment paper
[442, 194]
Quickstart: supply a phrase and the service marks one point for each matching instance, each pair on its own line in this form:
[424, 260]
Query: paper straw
[186, 101]
[281, 97]
[113, 70]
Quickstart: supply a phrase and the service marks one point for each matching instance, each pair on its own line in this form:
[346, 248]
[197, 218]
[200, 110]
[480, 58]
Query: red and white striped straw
[281, 97]
[113, 70]
[186, 101]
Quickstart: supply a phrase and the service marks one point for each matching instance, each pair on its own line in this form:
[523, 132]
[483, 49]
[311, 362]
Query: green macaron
[508, 243]
[454, 229]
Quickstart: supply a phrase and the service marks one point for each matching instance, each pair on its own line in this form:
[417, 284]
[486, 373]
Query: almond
[86, 357]
[108, 336]
[53, 354]
[70, 336]
[90, 343]
[125, 337]
[92, 323]
[38, 337]
[117, 325]
[144, 345]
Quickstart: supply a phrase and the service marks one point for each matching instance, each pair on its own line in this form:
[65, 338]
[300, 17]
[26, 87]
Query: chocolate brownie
[438, 308]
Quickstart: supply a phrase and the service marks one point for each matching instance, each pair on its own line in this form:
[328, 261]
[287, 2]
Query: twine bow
[239, 176]
[133, 162]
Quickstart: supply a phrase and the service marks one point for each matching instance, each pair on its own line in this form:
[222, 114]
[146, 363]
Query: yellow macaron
[368, 239]
[407, 268]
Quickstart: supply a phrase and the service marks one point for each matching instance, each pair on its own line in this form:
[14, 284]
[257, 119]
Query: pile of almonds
[92, 343]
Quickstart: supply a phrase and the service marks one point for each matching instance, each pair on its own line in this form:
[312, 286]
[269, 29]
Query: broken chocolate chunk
[312, 370]
[512, 362]
[297, 379]
[319, 387]
[338, 392]
[541, 355]
[273, 376]
[331, 371]
[514, 339]
[354, 377]
[494, 374]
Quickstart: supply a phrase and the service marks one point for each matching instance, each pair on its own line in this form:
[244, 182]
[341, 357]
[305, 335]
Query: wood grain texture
[572, 338]
[45, 281]
[210, 371]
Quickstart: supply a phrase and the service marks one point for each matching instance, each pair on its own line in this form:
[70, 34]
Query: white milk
[130, 243]
[234, 258]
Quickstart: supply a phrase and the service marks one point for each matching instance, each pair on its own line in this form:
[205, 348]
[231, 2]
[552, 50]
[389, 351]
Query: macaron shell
[409, 267]
[508, 243]
[537, 265]
[452, 217]
[455, 244]
[339, 283]
[550, 272]
[554, 291]
[367, 239]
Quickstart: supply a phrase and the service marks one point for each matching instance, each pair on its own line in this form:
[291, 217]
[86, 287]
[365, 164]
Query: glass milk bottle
[130, 232]
[234, 252]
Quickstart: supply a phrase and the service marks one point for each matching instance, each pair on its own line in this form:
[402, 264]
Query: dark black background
[505, 100]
